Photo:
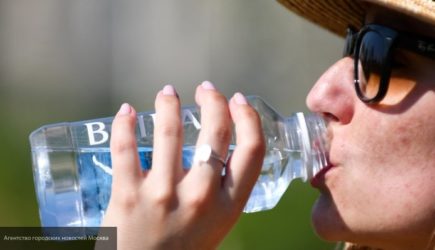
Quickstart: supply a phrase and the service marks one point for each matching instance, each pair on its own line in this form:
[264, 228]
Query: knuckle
[255, 146]
[168, 120]
[162, 197]
[252, 115]
[232, 207]
[170, 130]
[255, 143]
[122, 144]
[221, 133]
[198, 201]
[127, 199]
[123, 138]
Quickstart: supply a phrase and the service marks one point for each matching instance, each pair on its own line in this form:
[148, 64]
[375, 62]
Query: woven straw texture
[337, 15]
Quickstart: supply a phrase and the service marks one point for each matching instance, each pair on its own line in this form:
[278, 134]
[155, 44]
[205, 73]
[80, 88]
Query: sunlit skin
[166, 207]
[380, 191]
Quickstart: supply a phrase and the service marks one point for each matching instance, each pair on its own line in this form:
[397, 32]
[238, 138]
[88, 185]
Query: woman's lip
[319, 179]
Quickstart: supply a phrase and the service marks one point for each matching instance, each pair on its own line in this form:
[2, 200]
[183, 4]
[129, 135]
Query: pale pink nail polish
[125, 109]
[208, 85]
[240, 99]
[169, 90]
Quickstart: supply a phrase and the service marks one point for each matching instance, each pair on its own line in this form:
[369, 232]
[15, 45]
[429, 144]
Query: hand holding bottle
[168, 207]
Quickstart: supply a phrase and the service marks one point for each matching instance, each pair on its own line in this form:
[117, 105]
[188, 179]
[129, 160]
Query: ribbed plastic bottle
[73, 174]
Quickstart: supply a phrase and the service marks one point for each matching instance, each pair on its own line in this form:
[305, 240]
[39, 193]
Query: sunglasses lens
[371, 55]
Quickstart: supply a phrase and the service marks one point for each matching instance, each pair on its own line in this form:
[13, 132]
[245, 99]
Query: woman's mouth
[319, 179]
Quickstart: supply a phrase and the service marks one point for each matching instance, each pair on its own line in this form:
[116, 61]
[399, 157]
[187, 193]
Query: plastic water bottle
[72, 164]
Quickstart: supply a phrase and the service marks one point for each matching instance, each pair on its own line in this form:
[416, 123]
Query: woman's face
[381, 188]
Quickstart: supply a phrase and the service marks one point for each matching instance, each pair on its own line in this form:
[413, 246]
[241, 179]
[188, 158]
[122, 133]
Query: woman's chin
[327, 221]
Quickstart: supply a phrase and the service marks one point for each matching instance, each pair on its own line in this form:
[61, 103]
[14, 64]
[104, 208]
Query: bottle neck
[306, 135]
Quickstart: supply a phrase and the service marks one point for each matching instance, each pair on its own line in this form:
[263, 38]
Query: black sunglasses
[372, 49]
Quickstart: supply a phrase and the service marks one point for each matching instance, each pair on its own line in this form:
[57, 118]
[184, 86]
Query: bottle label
[97, 132]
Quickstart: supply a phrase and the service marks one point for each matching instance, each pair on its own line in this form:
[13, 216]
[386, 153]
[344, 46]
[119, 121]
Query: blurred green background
[76, 60]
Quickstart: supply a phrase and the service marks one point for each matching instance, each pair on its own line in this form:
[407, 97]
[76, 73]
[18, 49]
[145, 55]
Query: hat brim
[337, 15]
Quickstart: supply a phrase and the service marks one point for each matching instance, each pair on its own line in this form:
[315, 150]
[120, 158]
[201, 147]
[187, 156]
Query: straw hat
[337, 15]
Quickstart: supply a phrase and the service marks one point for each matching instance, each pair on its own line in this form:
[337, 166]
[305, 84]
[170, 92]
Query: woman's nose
[333, 94]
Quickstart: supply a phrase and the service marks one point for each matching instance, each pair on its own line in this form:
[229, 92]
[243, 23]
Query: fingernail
[125, 109]
[169, 90]
[208, 85]
[240, 99]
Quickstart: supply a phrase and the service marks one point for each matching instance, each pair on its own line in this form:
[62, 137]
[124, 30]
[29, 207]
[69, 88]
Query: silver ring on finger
[205, 153]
